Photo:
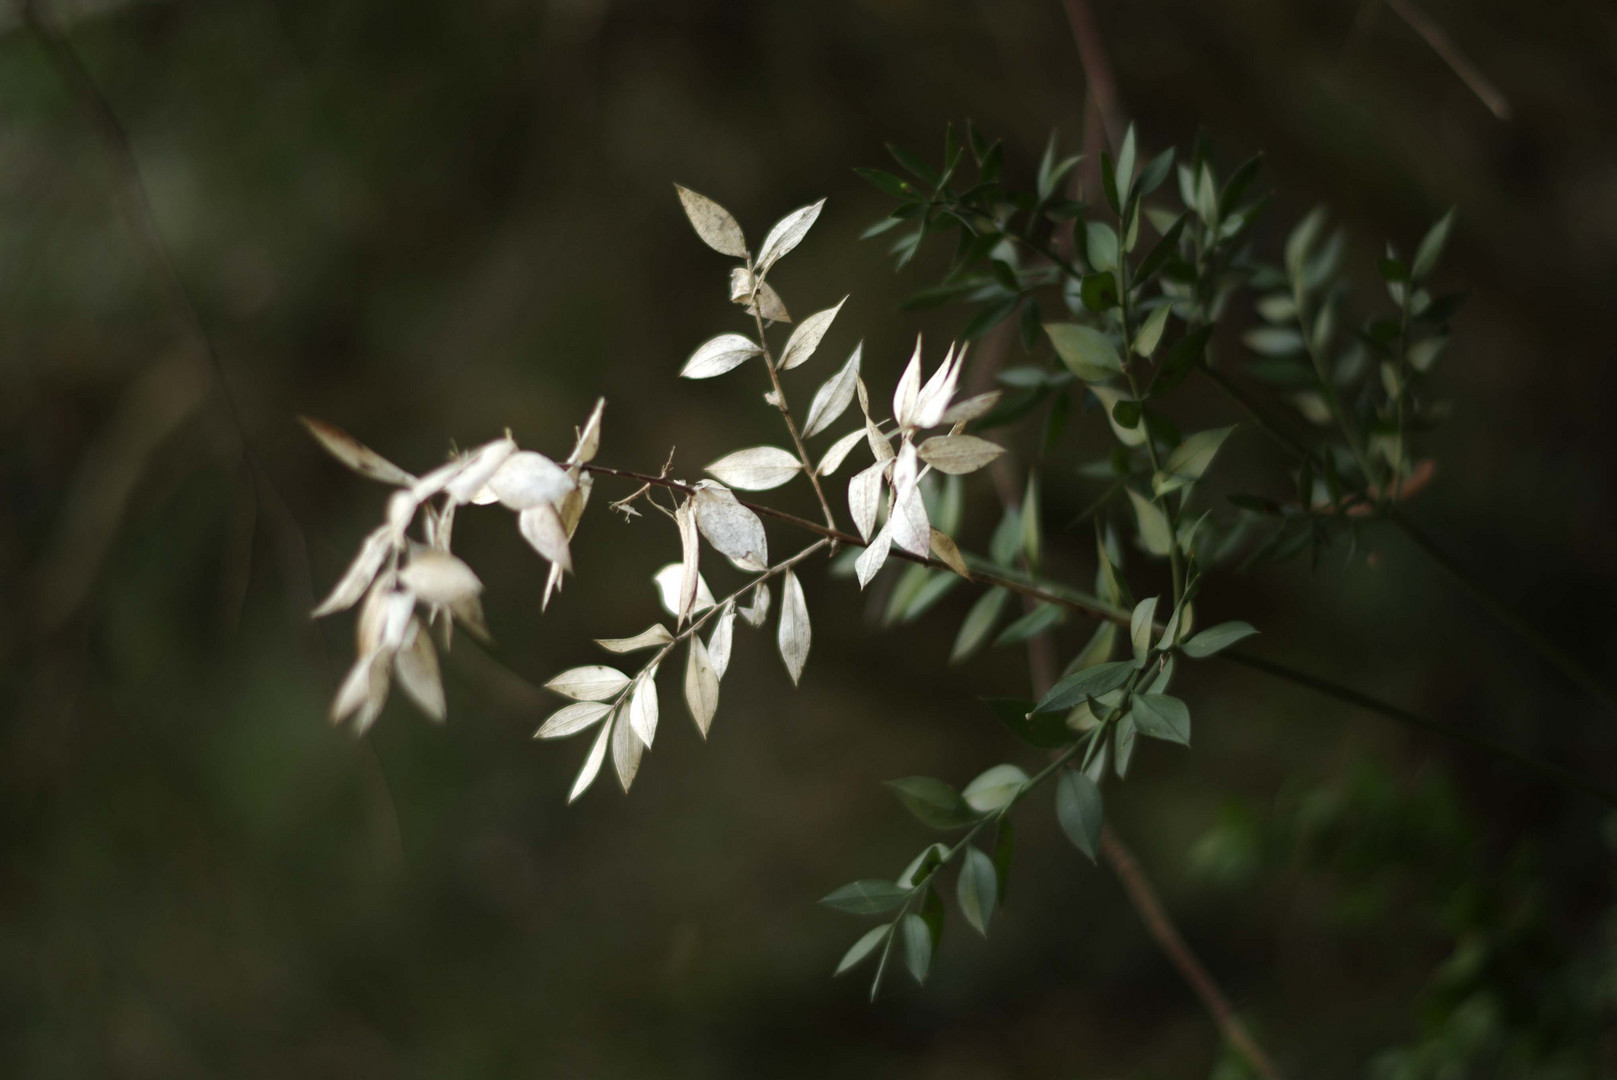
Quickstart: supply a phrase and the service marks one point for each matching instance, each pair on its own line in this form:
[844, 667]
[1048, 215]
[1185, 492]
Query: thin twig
[1452, 55]
[1167, 936]
[1097, 69]
[786, 414]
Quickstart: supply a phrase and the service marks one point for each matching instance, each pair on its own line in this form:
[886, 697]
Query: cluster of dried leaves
[395, 576]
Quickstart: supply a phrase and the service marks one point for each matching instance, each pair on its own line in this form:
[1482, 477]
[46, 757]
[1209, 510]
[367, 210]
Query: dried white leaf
[756, 469]
[527, 479]
[972, 408]
[355, 454]
[401, 508]
[476, 467]
[713, 223]
[767, 303]
[873, 557]
[933, 400]
[626, 750]
[589, 437]
[667, 581]
[690, 551]
[571, 719]
[832, 461]
[701, 685]
[944, 547]
[541, 527]
[718, 355]
[958, 454]
[864, 498]
[787, 234]
[733, 530]
[793, 633]
[880, 448]
[591, 682]
[643, 706]
[907, 519]
[834, 396]
[657, 634]
[806, 338]
[756, 612]
[355, 688]
[360, 573]
[417, 667]
[592, 763]
[718, 642]
[907, 395]
[438, 577]
[469, 613]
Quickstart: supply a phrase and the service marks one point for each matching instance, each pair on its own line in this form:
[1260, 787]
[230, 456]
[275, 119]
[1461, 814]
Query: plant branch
[1073, 600]
[1546, 648]
[1161, 928]
[791, 424]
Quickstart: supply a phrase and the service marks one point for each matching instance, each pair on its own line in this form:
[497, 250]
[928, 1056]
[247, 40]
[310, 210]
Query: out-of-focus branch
[1098, 75]
[1161, 928]
[1452, 55]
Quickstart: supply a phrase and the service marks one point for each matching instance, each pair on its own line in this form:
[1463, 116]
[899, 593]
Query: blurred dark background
[425, 222]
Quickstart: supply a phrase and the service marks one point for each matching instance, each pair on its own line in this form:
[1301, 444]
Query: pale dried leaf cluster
[397, 579]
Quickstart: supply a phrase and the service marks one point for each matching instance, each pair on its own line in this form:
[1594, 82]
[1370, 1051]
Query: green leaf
[917, 946]
[1238, 182]
[913, 164]
[1160, 252]
[1162, 717]
[1044, 731]
[1431, 248]
[887, 183]
[1079, 687]
[1123, 746]
[1079, 810]
[1155, 172]
[1302, 239]
[933, 802]
[869, 897]
[989, 317]
[977, 889]
[1125, 165]
[1127, 413]
[1088, 353]
[1031, 625]
[994, 788]
[1150, 332]
[1190, 459]
[1155, 536]
[1142, 630]
[1032, 530]
[1007, 538]
[1273, 341]
[864, 948]
[930, 858]
[1101, 243]
[1181, 360]
[1097, 651]
[978, 624]
[1099, 291]
[1004, 849]
[1216, 638]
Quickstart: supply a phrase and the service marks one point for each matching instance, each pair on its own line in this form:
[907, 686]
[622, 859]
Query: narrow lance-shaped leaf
[871, 896]
[786, 235]
[627, 749]
[719, 355]
[685, 519]
[643, 708]
[832, 461]
[701, 685]
[1162, 717]
[592, 763]
[652, 636]
[834, 396]
[1216, 638]
[977, 889]
[994, 788]
[591, 682]
[806, 338]
[355, 454]
[958, 455]
[1088, 353]
[864, 948]
[917, 946]
[571, 719]
[1079, 810]
[793, 635]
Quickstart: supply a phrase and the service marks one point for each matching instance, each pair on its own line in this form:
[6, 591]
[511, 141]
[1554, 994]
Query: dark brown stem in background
[1098, 76]
[1452, 55]
[1172, 943]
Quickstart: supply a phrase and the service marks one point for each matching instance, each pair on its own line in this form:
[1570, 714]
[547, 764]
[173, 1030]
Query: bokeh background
[426, 222]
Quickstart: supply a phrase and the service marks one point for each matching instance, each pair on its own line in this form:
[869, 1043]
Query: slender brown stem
[791, 424]
[1097, 68]
[1452, 55]
[1173, 946]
